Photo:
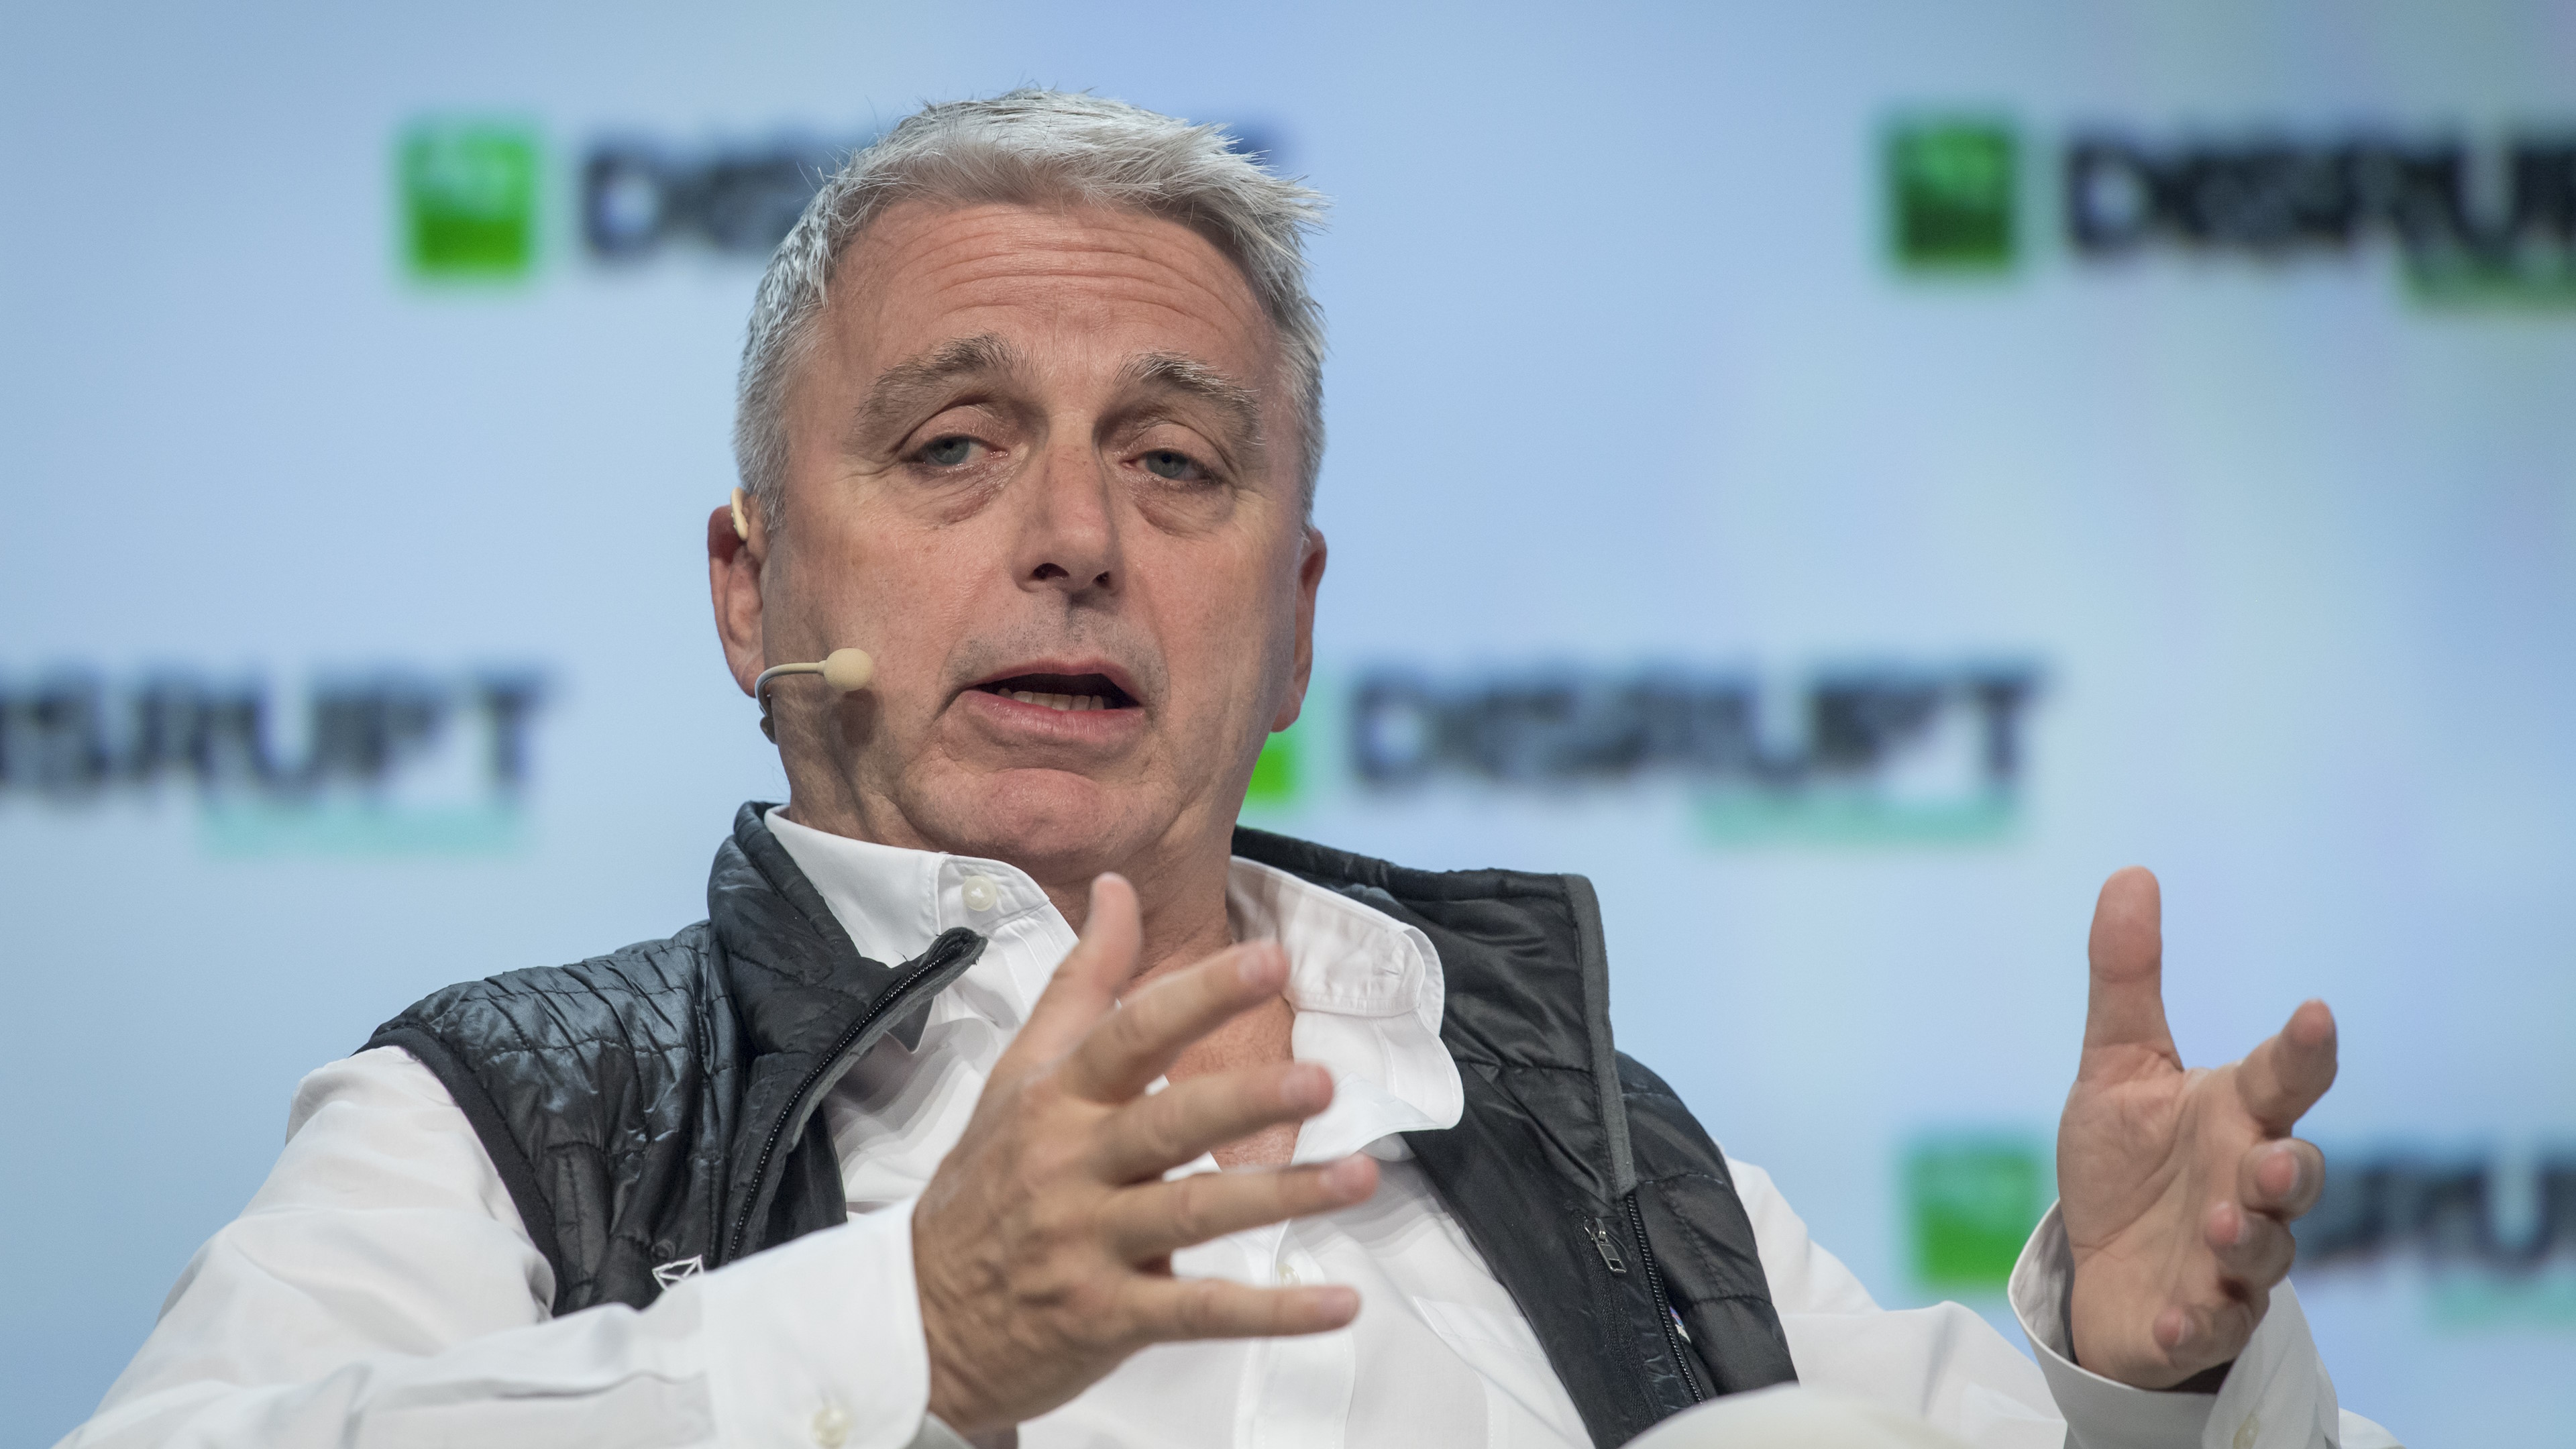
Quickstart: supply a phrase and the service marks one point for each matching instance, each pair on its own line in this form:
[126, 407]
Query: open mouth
[1072, 692]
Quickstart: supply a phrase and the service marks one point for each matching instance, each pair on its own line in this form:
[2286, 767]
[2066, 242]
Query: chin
[1051, 823]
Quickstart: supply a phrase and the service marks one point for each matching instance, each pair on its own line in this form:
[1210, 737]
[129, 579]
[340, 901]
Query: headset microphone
[843, 670]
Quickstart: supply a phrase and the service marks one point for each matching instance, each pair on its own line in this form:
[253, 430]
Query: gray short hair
[1037, 148]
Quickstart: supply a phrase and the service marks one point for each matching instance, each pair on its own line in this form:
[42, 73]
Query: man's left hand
[2177, 1187]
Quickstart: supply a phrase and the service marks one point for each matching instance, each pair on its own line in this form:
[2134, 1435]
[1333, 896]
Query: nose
[1068, 534]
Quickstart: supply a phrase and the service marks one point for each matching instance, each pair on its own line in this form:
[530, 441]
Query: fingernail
[1307, 1086]
[1339, 1299]
[2226, 1225]
[1260, 965]
[2298, 1170]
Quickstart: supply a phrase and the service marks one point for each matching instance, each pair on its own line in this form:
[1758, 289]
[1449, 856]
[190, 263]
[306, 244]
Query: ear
[734, 561]
[1310, 577]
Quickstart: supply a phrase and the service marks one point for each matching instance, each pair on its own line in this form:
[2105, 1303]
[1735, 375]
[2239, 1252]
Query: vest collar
[795, 977]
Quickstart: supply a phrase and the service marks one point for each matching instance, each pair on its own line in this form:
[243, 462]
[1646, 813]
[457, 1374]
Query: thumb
[2127, 951]
[1087, 983]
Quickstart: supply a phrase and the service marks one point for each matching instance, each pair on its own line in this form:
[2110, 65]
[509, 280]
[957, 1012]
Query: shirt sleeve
[380, 1289]
[1943, 1364]
[2276, 1395]
[1949, 1366]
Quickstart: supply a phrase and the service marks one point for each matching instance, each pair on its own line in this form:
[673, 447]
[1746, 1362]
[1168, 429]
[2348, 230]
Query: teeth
[1070, 702]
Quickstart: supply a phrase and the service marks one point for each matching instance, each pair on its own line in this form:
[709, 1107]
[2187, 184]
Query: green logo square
[469, 200]
[1972, 1202]
[1950, 192]
[1274, 774]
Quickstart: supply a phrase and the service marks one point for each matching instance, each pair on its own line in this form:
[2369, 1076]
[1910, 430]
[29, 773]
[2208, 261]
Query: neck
[1179, 894]
[1180, 882]
[1180, 876]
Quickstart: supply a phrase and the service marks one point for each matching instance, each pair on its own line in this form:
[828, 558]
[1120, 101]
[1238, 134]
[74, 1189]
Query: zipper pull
[1610, 1258]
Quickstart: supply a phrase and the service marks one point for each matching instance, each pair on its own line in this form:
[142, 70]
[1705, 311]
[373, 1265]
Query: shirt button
[831, 1426]
[980, 893]
[2248, 1432]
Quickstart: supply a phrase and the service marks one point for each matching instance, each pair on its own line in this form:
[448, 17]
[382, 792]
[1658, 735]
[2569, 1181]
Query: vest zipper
[1610, 1259]
[1665, 1315]
[769, 1145]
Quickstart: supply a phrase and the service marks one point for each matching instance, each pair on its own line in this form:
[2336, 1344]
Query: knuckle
[1156, 1129]
[1040, 1094]
[1119, 1031]
[1097, 1311]
[1193, 1215]
[1169, 1136]
[1172, 1212]
[1203, 1307]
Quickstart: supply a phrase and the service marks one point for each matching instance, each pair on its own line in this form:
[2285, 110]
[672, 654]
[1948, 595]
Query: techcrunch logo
[471, 195]
[384, 762]
[2491, 221]
[1898, 754]
[639, 197]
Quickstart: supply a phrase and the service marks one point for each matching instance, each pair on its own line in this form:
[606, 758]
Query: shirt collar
[1368, 993]
[1367, 988]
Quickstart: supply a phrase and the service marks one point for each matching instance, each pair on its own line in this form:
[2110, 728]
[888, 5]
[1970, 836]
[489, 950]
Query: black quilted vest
[655, 1109]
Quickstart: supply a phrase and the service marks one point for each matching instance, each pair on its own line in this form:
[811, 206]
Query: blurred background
[1845, 477]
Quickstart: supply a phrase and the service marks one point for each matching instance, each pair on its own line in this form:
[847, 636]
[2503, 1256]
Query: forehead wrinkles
[917, 270]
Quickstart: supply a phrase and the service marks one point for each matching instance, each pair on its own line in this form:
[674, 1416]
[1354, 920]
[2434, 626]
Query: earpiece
[843, 670]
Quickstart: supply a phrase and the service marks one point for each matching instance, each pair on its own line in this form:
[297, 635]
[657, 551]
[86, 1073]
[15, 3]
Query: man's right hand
[1043, 1245]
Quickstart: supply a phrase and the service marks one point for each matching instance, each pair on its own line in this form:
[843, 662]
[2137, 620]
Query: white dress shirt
[380, 1289]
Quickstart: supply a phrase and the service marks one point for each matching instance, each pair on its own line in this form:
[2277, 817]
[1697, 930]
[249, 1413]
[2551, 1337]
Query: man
[877, 1155]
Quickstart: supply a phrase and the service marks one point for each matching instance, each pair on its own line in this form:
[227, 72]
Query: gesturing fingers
[2281, 1079]
[1147, 1138]
[2204, 1335]
[1086, 982]
[1165, 1310]
[2281, 1178]
[2126, 1006]
[1120, 1056]
[2253, 1249]
[1158, 1218]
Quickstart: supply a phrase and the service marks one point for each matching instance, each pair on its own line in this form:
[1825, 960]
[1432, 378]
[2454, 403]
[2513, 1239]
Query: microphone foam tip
[848, 669]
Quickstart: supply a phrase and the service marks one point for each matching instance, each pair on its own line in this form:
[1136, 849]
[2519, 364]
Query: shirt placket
[1296, 1391]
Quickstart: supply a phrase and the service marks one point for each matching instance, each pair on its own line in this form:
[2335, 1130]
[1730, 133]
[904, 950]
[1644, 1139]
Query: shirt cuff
[817, 1343]
[2276, 1395]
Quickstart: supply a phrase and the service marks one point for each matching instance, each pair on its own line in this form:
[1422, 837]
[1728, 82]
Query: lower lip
[1046, 723]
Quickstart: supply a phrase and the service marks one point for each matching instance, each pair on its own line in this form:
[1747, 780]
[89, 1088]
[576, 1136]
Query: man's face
[1042, 466]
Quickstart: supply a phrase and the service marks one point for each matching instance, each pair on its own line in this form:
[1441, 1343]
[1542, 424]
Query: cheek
[1235, 643]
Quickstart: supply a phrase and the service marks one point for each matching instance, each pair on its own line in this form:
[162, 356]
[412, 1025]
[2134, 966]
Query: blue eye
[948, 452]
[1164, 463]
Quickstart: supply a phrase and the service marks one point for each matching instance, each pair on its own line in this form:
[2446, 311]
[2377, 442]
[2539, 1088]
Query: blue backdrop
[1845, 477]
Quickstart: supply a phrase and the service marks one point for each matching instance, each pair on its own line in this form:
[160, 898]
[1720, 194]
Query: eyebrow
[903, 390]
[1173, 372]
[906, 389]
